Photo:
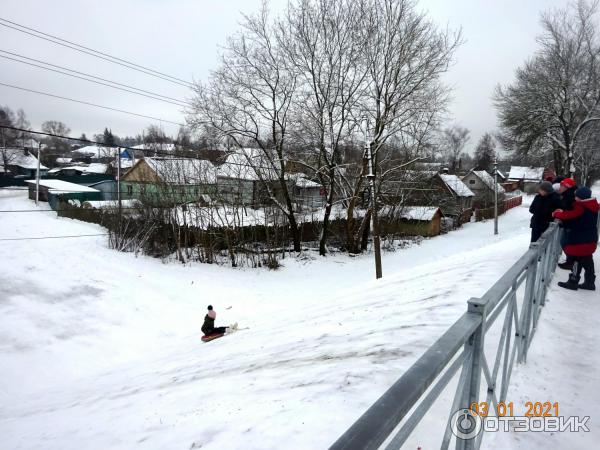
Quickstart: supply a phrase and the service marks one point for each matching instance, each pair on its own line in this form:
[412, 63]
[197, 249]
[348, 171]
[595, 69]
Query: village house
[308, 195]
[171, 181]
[79, 169]
[59, 192]
[244, 176]
[483, 185]
[429, 188]
[17, 162]
[530, 177]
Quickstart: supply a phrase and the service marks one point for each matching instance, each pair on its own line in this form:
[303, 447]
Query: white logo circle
[465, 424]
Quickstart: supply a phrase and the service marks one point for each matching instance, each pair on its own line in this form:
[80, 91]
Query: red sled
[210, 337]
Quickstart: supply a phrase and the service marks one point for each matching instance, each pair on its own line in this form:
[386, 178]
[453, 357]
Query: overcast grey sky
[182, 37]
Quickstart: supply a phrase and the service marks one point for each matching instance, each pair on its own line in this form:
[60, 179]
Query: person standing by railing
[542, 207]
[567, 189]
[581, 224]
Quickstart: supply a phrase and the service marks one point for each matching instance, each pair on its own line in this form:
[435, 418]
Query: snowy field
[100, 349]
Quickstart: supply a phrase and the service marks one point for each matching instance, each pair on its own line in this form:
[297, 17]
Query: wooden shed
[412, 220]
[56, 192]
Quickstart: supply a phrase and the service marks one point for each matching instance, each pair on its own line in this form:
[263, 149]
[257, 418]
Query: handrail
[404, 403]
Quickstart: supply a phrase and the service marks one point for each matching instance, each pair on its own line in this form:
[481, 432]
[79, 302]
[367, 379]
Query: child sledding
[210, 331]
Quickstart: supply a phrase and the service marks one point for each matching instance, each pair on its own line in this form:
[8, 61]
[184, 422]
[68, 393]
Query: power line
[98, 54]
[88, 103]
[52, 237]
[103, 82]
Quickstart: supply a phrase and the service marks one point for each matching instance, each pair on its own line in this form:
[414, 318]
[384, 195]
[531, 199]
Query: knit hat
[556, 187]
[583, 193]
[546, 186]
[568, 183]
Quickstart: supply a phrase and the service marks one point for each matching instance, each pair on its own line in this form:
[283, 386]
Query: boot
[567, 265]
[588, 283]
[572, 283]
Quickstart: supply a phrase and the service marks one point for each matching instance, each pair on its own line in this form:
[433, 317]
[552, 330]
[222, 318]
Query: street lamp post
[37, 176]
[495, 196]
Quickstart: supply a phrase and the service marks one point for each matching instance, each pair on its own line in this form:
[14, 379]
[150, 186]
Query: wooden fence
[488, 213]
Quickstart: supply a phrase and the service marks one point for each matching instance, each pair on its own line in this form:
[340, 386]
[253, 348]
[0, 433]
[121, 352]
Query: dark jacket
[542, 208]
[582, 226]
[568, 199]
[209, 325]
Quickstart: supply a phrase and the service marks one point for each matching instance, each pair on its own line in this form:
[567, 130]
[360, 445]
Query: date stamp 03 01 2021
[467, 423]
[532, 409]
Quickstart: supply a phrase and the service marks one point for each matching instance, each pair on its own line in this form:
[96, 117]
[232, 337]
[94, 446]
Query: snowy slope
[101, 349]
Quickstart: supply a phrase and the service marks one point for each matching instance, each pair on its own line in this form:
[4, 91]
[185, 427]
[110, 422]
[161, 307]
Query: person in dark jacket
[209, 323]
[567, 195]
[542, 207]
[582, 238]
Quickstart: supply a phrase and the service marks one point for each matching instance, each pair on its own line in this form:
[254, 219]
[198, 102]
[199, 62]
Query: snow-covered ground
[563, 366]
[100, 349]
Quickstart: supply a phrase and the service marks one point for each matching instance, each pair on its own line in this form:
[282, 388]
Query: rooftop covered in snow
[488, 180]
[526, 173]
[17, 157]
[183, 170]
[456, 185]
[59, 186]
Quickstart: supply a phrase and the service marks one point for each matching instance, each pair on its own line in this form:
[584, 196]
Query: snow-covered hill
[100, 349]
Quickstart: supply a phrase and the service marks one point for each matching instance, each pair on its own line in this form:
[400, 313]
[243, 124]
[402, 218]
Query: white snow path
[101, 349]
[563, 365]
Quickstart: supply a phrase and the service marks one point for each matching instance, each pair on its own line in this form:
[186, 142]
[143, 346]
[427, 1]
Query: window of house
[471, 181]
[129, 189]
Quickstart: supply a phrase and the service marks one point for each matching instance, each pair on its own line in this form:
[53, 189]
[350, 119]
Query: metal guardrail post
[473, 383]
[397, 413]
[528, 305]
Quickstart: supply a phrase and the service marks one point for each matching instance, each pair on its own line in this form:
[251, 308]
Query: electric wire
[103, 82]
[88, 104]
[95, 53]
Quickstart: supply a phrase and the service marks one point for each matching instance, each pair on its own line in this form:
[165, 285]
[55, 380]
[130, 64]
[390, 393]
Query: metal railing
[518, 297]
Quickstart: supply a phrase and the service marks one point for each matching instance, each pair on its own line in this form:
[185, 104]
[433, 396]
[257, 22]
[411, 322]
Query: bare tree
[57, 128]
[453, 141]
[8, 137]
[248, 100]
[556, 95]
[405, 56]
[485, 152]
[322, 40]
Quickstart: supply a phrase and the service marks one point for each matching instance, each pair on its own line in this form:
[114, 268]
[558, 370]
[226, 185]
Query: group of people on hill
[577, 212]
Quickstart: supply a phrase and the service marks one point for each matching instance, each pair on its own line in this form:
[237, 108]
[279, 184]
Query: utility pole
[37, 176]
[119, 181]
[371, 178]
[496, 196]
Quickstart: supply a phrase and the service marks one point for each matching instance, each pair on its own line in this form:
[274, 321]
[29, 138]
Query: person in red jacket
[581, 226]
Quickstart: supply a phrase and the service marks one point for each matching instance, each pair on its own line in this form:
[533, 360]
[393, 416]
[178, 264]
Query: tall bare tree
[248, 100]
[453, 142]
[556, 94]
[322, 40]
[485, 152]
[406, 55]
